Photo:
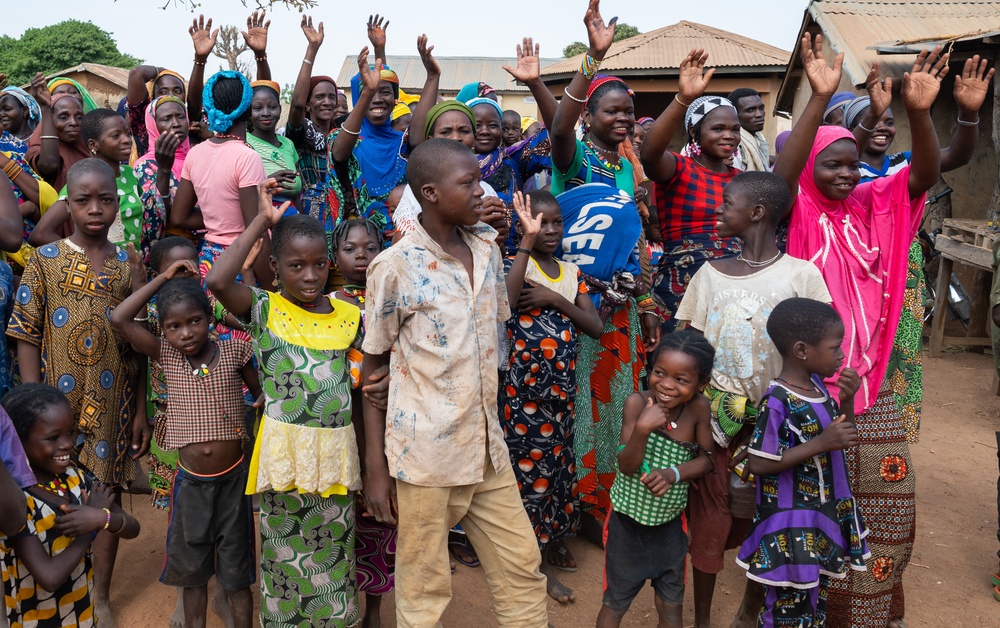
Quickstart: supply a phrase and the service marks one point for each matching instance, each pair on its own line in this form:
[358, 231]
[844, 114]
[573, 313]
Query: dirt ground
[947, 583]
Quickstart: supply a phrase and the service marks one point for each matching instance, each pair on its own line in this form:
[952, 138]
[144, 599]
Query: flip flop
[996, 579]
[562, 550]
[996, 593]
[457, 544]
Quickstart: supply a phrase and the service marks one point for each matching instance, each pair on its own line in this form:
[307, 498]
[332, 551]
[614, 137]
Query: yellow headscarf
[526, 121]
[399, 111]
[151, 84]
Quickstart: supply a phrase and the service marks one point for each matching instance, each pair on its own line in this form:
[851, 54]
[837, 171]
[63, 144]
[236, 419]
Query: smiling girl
[277, 151]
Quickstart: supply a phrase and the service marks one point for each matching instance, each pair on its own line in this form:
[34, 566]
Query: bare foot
[177, 619]
[556, 590]
[102, 611]
[220, 606]
[898, 622]
[558, 555]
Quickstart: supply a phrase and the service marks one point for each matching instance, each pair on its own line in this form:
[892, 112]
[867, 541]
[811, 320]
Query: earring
[694, 148]
[275, 283]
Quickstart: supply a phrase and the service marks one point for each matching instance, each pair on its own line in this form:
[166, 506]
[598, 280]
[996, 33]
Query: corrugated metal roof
[664, 48]
[854, 27]
[455, 72]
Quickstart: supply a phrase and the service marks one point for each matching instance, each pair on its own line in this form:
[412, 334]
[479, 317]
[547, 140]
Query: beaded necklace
[230, 136]
[595, 150]
[56, 486]
[203, 370]
[355, 292]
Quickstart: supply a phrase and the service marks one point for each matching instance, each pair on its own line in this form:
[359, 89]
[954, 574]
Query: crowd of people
[409, 332]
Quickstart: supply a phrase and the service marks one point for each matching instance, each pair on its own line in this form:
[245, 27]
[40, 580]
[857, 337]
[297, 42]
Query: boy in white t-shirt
[729, 301]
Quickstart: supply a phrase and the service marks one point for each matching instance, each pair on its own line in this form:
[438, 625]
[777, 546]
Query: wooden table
[968, 242]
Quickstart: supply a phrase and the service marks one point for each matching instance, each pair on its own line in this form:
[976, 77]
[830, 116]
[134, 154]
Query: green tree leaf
[57, 47]
[622, 31]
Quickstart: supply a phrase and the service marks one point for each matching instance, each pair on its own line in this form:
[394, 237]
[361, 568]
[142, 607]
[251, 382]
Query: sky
[456, 28]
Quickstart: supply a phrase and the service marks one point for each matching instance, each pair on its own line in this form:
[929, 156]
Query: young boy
[728, 301]
[510, 128]
[434, 302]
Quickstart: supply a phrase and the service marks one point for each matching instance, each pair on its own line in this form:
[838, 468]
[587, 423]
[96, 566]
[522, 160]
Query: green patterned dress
[305, 463]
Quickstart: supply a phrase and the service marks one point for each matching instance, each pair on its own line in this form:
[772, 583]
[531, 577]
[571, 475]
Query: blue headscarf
[485, 101]
[218, 121]
[27, 101]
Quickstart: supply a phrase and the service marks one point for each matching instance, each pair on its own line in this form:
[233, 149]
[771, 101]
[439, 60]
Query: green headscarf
[444, 107]
[86, 100]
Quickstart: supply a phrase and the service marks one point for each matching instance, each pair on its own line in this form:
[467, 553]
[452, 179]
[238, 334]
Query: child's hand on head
[182, 268]
[265, 201]
[840, 434]
[848, 383]
[657, 482]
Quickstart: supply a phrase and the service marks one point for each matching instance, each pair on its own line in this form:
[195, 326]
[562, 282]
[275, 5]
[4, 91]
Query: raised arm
[351, 128]
[562, 134]
[377, 25]
[203, 38]
[429, 95]
[137, 79]
[236, 296]
[300, 93]
[47, 229]
[692, 80]
[256, 38]
[123, 317]
[920, 88]
[823, 80]
[528, 71]
[49, 160]
[970, 92]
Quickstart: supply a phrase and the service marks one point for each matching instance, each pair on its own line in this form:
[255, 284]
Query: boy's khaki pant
[492, 515]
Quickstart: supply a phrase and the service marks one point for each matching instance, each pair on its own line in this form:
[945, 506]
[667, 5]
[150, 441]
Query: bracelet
[261, 58]
[964, 123]
[681, 102]
[589, 66]
[108, 521]
[142, 319]
[12, 170]
[677, 474]
[865, 129]
[49, 137]
[643, 297]
[196, 62]
[307, 61]
[523, 250]
[566, 93]
[620, 448]
[350, 132]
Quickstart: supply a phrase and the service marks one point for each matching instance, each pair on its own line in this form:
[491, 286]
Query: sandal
[563, 552]
[996, 593]
[996, 579]
[461, 550]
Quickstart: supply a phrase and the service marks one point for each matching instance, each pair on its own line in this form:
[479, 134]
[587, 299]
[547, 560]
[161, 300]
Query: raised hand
[599, 34]
[823, 79]
[692, 78]
[313, 35]
[972, 84]
[256, 33]
[265, 201]
[430, 63]
[202, 36]
[879, 91]
[251, 259]
[40, 90]
[531, 225]
[528, 67]
[376, 31]
[922, 84]
[369, 77]
[182, 268]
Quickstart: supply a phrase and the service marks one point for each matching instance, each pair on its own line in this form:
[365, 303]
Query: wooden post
[994, 209]
[940, 305]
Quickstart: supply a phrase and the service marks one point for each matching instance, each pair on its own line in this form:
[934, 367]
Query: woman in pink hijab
[859, 237]
[159, 168]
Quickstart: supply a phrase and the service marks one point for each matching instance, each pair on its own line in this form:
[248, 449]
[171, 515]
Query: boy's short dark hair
[542, 197]
[159, 249]
[510, 113]
[92, 124]
[767, 189]
[741, 92]
[431, 159]
[89, 166]
[798, 319]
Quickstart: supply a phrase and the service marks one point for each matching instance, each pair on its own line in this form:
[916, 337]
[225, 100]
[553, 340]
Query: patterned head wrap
[386, 75]
[854, 109]
[28, 102]
[444, 107]
[700, 108]
[219, 121]
[272, 85]
[601, 79]
[151, 86]
[839, 100]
